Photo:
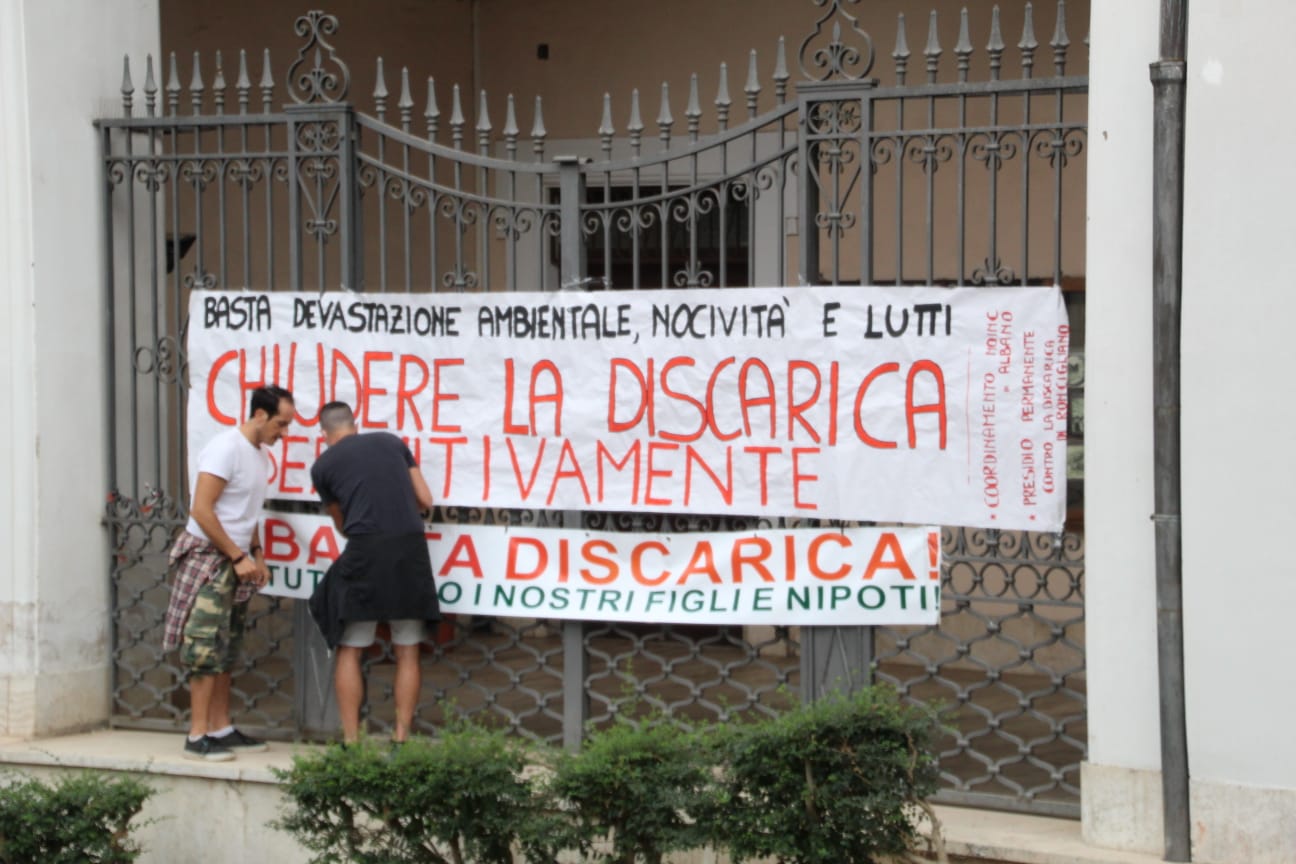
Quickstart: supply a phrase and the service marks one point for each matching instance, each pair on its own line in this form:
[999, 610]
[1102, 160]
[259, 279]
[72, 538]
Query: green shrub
[464, 797]
[639, 787]
[79, 818]
[839, 781]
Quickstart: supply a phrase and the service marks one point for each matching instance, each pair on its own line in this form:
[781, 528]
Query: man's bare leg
[409, 678]
[200, 699]
[349, 686]
[218, 710]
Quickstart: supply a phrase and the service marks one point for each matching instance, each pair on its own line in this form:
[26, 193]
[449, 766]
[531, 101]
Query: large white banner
[915, 405]
[851, 576]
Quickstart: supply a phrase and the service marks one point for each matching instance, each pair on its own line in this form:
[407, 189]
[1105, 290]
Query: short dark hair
[267, 399]
[336, 415]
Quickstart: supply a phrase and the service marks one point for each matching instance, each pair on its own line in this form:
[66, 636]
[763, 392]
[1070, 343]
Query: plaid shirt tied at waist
[194, 562]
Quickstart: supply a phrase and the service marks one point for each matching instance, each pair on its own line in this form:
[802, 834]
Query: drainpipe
[1168, 85]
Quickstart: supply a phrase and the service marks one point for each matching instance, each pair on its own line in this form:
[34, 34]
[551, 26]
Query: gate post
[327, 134]
[571, 276]
[315, 707]
[833, 658]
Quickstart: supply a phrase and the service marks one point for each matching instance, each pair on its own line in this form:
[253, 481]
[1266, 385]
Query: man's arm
[421, 492]
[207, 492]
[258, 556]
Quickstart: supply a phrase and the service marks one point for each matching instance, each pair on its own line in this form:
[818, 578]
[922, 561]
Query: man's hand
[247, 570]
[263, 572]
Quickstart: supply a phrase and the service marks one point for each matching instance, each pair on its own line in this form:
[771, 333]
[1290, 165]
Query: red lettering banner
[913, 405]
[817, 576]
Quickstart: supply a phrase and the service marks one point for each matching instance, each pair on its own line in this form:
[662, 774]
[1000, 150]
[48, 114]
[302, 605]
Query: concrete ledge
[1012, 837]
[154, 753]
[228, 819]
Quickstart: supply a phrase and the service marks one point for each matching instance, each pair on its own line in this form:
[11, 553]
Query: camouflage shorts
[213, 634]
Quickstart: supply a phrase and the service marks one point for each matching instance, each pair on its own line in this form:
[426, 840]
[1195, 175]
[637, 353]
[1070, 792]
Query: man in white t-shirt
[217, 566]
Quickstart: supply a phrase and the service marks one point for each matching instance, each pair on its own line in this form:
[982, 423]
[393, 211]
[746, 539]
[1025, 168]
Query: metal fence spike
[218, 84]
[456, 117]
[150, 86]
[1028, 43]
[243, 84]
[1060, 41]
[483, 115]
[510, 119]
[537, 126]
[456, 108]
[722, 100]
[636, 121]
[664, 117]
[406, 102]
[995, 47]
[127, 86]
[173, 85]
[483, 126]
[693, 111]
[380, 91]
[510, 127]
[196, 84]
[781, 75]
[901, 52]
[963, 48]
[752, 88]
[636, 126]
[933, 50]
[173, 79]
[606, 130]
[431, 113]
[267, 81]
[538, 131]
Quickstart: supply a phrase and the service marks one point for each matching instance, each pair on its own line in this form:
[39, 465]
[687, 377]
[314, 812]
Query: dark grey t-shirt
[368, 476]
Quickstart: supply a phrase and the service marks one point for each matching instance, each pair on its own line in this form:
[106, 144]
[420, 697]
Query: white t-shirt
[246, 470]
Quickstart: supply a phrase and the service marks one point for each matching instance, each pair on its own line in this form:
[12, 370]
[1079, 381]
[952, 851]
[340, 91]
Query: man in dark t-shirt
[374, 491]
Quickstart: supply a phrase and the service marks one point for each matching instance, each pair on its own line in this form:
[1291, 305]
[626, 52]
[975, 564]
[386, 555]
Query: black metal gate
[846, 180]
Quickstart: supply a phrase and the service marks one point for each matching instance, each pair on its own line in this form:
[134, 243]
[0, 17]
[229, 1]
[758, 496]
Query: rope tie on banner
[1165, 517]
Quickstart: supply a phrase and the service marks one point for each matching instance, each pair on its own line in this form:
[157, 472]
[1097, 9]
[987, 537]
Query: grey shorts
[405, 631]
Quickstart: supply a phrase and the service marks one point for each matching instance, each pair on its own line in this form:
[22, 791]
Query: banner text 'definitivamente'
[914, 405]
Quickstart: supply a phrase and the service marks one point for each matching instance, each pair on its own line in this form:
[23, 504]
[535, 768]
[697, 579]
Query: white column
[1239, 414]
[1121, 785]
[60, 67]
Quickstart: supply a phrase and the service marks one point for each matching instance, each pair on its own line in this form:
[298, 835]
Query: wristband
[238, 559]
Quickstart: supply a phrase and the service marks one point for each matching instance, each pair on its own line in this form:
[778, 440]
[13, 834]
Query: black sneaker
[236, 740]
[207, 749]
